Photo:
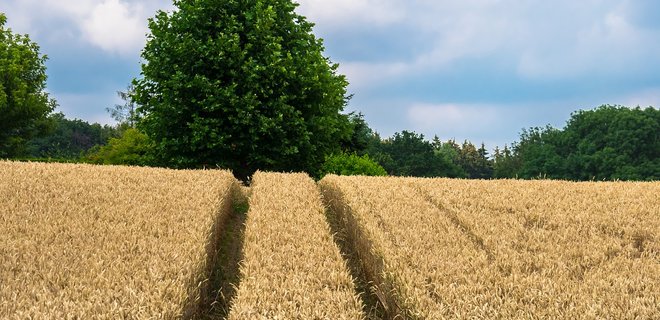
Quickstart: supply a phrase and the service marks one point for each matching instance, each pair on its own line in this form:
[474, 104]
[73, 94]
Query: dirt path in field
[227, 276]
[373, 309]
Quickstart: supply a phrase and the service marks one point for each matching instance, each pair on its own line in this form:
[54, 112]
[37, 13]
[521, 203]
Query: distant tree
[484, 164]
[449, 153]
[607, 143]
[362, 135]
[505, 164]
[240, 84]
[125, 114]
[24, 103]
[537, 150]
[409, 154]
[69, 139]
[612, 142]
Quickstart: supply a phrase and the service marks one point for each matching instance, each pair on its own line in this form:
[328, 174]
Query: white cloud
[116, 26]
[642, 98]
[563, 39]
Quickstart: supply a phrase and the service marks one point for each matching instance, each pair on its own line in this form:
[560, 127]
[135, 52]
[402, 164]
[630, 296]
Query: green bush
[132, 148]
[351, 165]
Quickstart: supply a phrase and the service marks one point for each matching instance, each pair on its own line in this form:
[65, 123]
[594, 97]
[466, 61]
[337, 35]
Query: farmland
[441, 248]
[80, 241]
[85, 242]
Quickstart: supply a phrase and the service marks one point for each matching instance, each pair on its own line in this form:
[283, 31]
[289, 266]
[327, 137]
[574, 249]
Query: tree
[24, 104]
[125, 114]
[362, 135]
[69, 139]
[132, 148]
[410, 155]
[612, 142]
[606, 143]
[538, 154]
[240, 84]
[449, 153]
[475, 161]
[505, 163]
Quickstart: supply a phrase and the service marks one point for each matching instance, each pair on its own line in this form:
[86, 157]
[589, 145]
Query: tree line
[606, 143]
[245, 86]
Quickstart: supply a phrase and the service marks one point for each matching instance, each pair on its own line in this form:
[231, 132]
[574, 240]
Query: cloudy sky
[470, 69]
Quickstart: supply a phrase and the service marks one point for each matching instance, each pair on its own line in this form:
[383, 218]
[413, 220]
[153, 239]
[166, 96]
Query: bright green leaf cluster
[352, 165]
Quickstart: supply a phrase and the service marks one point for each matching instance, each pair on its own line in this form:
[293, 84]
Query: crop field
[292, 269]
[95, 242]
[90, 242]
[441, 248]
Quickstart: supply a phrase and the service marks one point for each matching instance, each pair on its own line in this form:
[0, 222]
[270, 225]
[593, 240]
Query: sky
[480, 70]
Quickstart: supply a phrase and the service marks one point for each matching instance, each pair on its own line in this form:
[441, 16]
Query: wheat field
[90, 242]
[95, 242]
[291, 269]
[442, 248]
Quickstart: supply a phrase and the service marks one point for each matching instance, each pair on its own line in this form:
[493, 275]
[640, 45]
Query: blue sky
[473, 69]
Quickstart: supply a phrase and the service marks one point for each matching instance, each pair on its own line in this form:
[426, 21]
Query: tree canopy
[242, 85]
[69, 139]
[607, 143]
[24, 104]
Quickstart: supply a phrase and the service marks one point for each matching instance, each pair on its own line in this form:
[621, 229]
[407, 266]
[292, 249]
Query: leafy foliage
[24, 104]
[361, 137]
[351, 165]
[69, 139]
[242, 85]
[125, 114]
[132, 148]
[607, 143]
[409, 154]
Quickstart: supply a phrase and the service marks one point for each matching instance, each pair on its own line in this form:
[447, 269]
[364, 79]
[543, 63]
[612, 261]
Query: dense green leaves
[241, 85]
[132, 148]
[69, 139]
[24, 104]
[607, 143]
[409, 154]
[351, 165]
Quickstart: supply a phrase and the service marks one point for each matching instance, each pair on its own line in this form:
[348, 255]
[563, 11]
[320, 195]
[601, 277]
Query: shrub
[132, 148]
[352, 165]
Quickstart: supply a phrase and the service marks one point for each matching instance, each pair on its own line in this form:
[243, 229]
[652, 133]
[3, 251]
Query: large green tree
[606, 143]
[24, 104]
[242, 84]
[612, 142]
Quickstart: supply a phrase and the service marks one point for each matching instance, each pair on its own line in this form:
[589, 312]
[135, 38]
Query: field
[442, 249]
[291, 267]
[88, 242]
[80, 241]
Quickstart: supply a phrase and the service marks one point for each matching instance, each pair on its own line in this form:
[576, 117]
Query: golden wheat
[90, 242]
[576, 250]
[292, 269]
[441, 248]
